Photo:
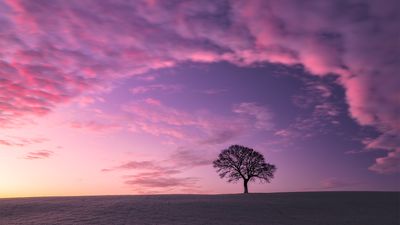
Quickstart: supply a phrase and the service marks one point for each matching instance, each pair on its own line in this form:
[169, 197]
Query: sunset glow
[139, 97]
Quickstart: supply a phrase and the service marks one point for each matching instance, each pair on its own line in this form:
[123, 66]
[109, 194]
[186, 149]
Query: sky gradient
[138, 97]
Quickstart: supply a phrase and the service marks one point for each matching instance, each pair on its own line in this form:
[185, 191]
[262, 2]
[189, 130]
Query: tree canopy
[239, 162]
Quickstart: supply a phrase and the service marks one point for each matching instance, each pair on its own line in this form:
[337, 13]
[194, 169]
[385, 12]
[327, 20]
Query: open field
[322, 208]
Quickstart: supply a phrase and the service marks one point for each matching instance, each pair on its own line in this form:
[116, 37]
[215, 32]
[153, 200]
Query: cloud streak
[96, 126]
[164, 175]
[155, 87]
[42, 154]
[20, 141]
[202, 127]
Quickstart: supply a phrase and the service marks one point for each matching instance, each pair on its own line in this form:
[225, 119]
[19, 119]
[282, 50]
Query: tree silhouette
[239, 162]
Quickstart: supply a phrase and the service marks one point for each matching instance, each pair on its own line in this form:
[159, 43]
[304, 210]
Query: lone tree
[239, 162]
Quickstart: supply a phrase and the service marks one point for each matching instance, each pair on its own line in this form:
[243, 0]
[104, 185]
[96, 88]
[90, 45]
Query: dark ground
[312, 208]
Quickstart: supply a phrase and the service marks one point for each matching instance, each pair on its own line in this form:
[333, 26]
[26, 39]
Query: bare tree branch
[239, 162]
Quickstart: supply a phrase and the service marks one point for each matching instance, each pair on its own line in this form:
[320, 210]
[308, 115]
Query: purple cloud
[155, 87]
[213, 91]
[139, 165]
[164, 175]
[20, 141]
[96, 126]
[42, 154]
[147, 184]
[87, 44]
[189, 158]
[153, 117]
[262, 116]
[388, 164]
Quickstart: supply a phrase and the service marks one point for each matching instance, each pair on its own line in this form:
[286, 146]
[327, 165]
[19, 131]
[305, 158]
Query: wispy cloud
[262, 116]
[186, 158]
[96, 126]
[42, 154]
[163, 175]
[154, 117]
[140, 165]
[21, 141]
[319, 110]
[213, 91]
[151, 181]
[164, 88]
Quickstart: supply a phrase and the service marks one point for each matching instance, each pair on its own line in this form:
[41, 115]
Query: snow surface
[322, 208]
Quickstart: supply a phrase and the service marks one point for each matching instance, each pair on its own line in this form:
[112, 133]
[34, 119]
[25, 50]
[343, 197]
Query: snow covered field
[322, 208]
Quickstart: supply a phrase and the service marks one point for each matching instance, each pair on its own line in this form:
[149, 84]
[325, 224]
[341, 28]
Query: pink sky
[116, 97]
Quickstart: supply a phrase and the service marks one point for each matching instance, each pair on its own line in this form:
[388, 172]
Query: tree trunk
[246, 190]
